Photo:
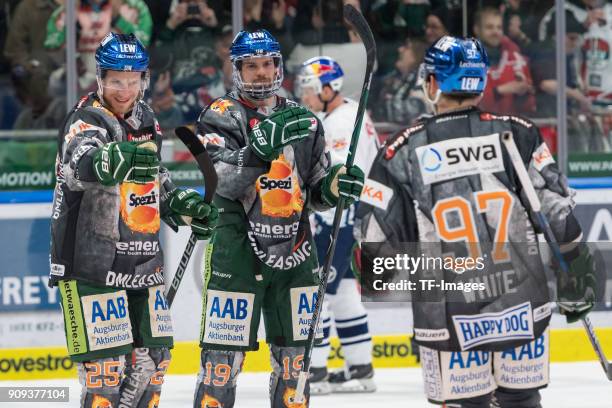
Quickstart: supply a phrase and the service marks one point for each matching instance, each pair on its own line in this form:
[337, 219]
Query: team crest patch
[279, 190]
[542, 157]
[220, 106]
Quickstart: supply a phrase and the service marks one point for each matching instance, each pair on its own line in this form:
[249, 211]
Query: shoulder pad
[101, 109]
[486, 117]
[400, 138]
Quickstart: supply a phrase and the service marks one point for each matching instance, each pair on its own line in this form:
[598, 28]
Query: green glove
[342, 182]
[188, 203]
[135, 162]
[576, 290]
[203, 228]
[290, 125]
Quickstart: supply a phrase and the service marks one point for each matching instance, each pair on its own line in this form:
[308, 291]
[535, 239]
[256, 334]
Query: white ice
[573, 385]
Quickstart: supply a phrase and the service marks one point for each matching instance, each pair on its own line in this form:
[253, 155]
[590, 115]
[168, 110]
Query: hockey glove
[203, 228]
[188, 203]
[288, 126]
[342, 182]
[576, 289]
[117, 162]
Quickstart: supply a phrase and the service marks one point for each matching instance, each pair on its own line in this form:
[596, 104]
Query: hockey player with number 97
[269, 153]
[438, 194]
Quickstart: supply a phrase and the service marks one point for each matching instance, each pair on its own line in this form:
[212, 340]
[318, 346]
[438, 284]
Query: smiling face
[121, 90]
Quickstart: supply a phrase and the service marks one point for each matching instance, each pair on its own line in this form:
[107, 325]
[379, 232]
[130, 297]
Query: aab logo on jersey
[228, 317]
[107, 320]
[140, 206]
[459, 157]
[279, 191]
[159, 313]
[303, 301]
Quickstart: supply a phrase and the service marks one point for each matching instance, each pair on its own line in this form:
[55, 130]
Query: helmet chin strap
[431, 102]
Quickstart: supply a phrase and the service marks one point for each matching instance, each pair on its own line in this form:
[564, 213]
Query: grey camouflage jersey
[105, 235]
[272, 199]
[449, 179]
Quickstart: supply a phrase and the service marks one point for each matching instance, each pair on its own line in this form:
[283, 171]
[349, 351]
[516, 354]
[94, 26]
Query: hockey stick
[534, 203]
[207, 168]
[363, 30]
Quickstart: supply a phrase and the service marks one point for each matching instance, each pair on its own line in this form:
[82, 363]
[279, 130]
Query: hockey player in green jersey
[269, 153]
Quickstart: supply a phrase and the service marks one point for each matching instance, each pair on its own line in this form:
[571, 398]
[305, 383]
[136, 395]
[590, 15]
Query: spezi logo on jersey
[459, 157]
[140, 206]
[279, 192]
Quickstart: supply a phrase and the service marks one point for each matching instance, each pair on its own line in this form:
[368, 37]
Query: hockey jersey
[448, 184]
[272, 198]
[106, 235]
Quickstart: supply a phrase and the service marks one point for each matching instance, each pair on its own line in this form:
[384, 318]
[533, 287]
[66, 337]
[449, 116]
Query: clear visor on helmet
[124, 84]
[258, 88]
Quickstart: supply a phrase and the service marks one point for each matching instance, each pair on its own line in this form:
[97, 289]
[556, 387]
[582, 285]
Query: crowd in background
[189, 44]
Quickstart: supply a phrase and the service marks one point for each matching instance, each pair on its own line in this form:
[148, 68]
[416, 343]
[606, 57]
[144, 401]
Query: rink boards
[388, 351]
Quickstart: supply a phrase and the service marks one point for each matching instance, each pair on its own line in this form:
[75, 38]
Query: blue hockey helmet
[459, 65]
[120, 52]
[318, 72]
[256, 44]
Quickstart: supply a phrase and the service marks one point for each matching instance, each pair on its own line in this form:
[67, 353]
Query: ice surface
[572, 385]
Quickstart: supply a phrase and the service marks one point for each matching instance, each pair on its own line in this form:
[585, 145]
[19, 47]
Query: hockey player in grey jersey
[269, 153]
[448, 180]
[110, 195]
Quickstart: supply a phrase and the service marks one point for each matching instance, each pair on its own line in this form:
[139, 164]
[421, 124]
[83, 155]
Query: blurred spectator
[516, 15]
[597, 64]
[544, 71]
[319, 29]
[95, 19]
[439, 23]
[399, 97]
[30, 62]
[509, 86]
[392, 21]
[320, 22]
[272, 16]
[43, 111]
[188, 75]
[160, 13]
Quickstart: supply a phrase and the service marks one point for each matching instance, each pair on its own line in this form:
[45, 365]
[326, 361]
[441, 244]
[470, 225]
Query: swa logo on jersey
[279, 191]
[459, 157]
[140, 206]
